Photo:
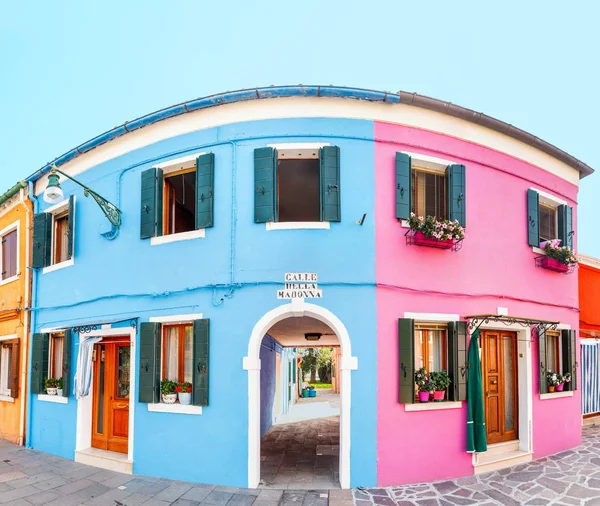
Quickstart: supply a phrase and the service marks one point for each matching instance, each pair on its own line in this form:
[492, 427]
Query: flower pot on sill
[59, 392]
[51, 390]
[559, 388]
[169, 398]
[551, 388]
[185, 398]
[423, 396]
[554, 265]
[438, 395]
[421, 240]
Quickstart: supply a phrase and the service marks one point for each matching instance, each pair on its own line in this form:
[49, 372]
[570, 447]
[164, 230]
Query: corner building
[220, 198]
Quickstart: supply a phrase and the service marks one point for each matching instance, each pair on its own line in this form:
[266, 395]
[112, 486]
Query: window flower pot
[430, 242]
[185, 398]
[423, 396]
[59, 392]
[51, 390]
[169, 398]
[438, 395]
[559, 387]
[551, 388]
[553, 265]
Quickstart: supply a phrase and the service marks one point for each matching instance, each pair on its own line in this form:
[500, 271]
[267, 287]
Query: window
[179, 202]
[53, 235]
[9, 254]
[5, 368]
[548, 222]
[430, 347]
[60, 238]
[429, 193]
[177, 358]
[299, 190]
[548, 218]
[55, 362]
[553, 351]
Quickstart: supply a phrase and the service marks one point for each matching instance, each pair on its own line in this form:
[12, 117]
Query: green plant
[442, 230]
[167, 386]
[563, 254]
[422, 380]
[441, 380]
[567, 377]
[49, 383]
[185, 387]
[59, 383]
[553, 379]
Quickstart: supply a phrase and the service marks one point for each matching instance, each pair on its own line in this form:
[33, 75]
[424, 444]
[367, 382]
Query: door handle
[487, 394]
[120, 406]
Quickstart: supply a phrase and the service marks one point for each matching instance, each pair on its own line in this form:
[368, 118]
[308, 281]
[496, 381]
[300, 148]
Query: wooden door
[499, 376]
[110, 415]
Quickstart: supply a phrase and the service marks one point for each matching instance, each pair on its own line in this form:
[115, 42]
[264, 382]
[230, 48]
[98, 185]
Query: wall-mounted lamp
[312, 336]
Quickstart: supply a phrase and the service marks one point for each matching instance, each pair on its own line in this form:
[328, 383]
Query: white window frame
[550, 201]
[6, 230]
[55, 210]
[51, 339]
[6, 395]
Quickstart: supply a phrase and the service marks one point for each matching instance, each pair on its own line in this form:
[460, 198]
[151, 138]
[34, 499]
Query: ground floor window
[5, 365]
[431, 347]
[56, 350]
[177, 353]
[553, 355]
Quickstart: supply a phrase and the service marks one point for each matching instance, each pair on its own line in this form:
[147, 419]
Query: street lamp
[53, 193]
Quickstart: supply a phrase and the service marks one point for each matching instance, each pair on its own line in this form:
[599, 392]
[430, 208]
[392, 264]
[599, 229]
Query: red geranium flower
[189, 389]
[178, 388]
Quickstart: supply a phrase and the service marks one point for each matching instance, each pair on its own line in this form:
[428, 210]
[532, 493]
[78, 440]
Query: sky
[72, 70]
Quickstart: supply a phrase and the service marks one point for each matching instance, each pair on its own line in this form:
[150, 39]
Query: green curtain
[476, 437]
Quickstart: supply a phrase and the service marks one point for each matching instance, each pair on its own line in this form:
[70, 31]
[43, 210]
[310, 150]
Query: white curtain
[172, 346]
[436, 350]
[188, 357]
[83, 375]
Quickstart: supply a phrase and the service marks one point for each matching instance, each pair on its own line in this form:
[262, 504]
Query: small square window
[5, 366]
[429, 193]
[179, 202]
[548, 222]
[56, 353]
[9, 254]
[177, 359]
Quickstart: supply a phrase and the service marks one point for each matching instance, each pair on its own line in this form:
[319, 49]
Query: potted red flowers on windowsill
[558, 258]
[184, 392]
[429, 231]
[424, 385]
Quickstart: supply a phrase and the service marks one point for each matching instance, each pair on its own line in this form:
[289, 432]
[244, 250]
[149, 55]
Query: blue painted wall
[268, 382]
[128, 278]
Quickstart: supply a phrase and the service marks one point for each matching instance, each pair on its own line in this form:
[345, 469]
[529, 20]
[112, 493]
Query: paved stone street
[567, 478]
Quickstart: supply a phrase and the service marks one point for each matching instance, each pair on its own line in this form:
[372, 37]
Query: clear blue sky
[72, 70]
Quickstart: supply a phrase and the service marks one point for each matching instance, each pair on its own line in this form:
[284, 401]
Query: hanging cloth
[476, 436]
[83, 375]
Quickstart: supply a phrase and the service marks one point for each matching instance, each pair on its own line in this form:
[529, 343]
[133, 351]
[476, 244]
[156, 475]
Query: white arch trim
[297, 308]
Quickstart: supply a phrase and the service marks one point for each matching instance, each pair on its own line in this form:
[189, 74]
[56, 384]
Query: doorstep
[500, 456]
[591, 420]
[113, 461]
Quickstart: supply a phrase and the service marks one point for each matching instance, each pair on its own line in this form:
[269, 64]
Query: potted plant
[552, 380]
[558, 258]
[429, 231]
[184, 392]
[441, 382]
[424, 385]
[167, 388]
[567, 378]
[59, 387]
[561, 382]
[50, 386]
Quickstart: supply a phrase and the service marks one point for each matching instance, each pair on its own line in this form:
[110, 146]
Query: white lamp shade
[53, 194]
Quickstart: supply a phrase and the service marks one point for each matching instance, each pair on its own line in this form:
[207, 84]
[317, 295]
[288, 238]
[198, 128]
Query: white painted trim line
[56, 267]
[9, 228]
[298, 225]
[556, 395]
[57, 208]
[184, 160]
[10, 280]
[161, 407]
[428, 162]
[433, 406]
[554, 201]
[404, 224]
[58, 399]
[15, 225]
[589, 261]
[6, 398]
[298, 145]
[593, 341]
[181, 236]
[177, 318]
[433, 317]
[9, 337]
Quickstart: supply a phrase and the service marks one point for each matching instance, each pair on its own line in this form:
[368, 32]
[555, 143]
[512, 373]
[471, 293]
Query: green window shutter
[406, 361]
[403, 186]
[200, 364]
[569, 356]
[457, 360]
[533, 225]
[265, 185]
[42, 240]
[39, 362]
[14, 368]
[205, 183]
[71, 227]
[67, 362]
[329, 157]
[457, 193]
[151, 203]
[150, 357]
[565, 225]
[542, 357]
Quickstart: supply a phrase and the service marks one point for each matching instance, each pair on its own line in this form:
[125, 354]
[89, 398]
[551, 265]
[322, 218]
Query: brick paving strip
[32, 478]
[569, 478]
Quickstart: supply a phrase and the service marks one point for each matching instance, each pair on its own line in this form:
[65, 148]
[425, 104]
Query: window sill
[539, 251]
[161, 407]
[404, 224]
[181, 236]
[298, 225]
[9, 280]
[55, 267]
[556, 395]
[6, 398]
[53, 398]
[433, 406]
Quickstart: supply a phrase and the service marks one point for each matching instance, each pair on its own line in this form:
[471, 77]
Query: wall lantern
[312, 336]
[54, 193]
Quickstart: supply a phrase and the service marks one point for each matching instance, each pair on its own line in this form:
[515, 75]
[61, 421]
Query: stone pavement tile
[269, 495]
[102, 475]
[196, 494]
[33, 479]
[44, 497]
[74, 486]
[117, 481]
[264, 502]
[110, 498]
[68, 500]
[17, 493]
[185, 502]
[18, 502]
[135, 499]
[173, 492]
[241, 500]
[91, 491]
[217, 498]
[156, 502]
[83, 472]
[50, 484]
[501, 498]
[12, 475]
[152, 488]
[138, 484]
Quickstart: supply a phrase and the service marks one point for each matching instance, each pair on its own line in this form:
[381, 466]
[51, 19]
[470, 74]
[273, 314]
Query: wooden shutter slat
[329, 158]
[14, 368]
[565, 225]
[403, 186]
[201, 362]
[71, 228]
[457, 360]
[265, 185]
[406, 361]
[66, 372]
[150, 356]
[205, 181]
[542, 358]
[42, 240]
[151, 221]
[39, 362]
[569, 356]
[457, 194]
[533, 219]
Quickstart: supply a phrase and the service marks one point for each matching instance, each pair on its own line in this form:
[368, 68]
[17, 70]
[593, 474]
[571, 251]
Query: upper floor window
[54, 235]
[429, 193]
[297, 183]
[9, 252]
[180, 202]
[60, 237]
[548, 222]
[548, 218]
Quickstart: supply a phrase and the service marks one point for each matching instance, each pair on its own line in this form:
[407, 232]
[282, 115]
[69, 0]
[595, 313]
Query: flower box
[553, 265]
[420, 239]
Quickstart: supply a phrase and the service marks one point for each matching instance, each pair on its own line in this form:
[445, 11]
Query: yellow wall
[15, 294]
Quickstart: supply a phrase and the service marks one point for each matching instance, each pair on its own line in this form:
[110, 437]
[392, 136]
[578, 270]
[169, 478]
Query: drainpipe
[33, 319]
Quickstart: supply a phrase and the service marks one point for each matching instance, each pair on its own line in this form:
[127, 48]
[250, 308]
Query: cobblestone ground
[32, 478]
[567, 478]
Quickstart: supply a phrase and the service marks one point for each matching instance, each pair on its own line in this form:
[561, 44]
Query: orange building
[16, 214]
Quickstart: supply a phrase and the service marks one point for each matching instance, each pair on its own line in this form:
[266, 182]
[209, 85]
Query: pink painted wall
[495, 267]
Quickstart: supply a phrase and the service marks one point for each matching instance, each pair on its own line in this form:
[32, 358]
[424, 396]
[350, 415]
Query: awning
[477, 320]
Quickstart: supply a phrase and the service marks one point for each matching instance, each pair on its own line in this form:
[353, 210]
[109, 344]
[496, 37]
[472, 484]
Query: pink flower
[412, 215]
[420, 218]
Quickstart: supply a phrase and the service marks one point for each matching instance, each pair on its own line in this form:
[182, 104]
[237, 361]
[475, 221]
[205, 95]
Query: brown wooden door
[499, 370]
[110, 416]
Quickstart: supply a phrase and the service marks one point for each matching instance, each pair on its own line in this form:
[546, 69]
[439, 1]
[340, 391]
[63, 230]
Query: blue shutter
[403, 186]
[205, 181]
[533, 220]
[565, 225]
[265, 185]
[457, 194]
[151, 203]
[329, 157]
